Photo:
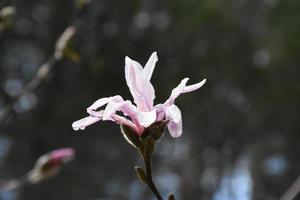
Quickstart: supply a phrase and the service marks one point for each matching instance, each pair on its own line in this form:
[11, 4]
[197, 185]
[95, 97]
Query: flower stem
[150, 180]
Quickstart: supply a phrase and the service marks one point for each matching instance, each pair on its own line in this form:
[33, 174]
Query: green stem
[150, 180]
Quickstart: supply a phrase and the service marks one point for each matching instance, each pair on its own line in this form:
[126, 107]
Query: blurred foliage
[245, 117]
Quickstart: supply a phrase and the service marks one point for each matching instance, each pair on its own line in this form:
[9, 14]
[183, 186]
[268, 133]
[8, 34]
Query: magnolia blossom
[144, 112]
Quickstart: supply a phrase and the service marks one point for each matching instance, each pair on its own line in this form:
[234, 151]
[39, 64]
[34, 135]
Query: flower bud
[49, 164]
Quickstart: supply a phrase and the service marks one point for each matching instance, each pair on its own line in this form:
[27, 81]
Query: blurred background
[241, 130]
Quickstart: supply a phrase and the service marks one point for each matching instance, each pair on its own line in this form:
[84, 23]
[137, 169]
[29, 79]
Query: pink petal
[173, 114]
[62, 154]
[122, 120]
[128, 110]
[82, 123]
[150, 65]
[110, 109]
[146, 118]
[175, 129]
[137, 65]
[160, 112]
[193, 87]
[140, 88]
[176, 92]
[110, 113]
[101, 102]
[182, 88]
[126, 107]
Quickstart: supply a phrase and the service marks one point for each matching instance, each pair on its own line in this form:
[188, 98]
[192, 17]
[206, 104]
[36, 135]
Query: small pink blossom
[60, 156]
[50, 163]
[143, 113]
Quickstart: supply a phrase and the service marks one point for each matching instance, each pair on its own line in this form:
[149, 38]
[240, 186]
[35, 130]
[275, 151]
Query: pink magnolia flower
[143, 113]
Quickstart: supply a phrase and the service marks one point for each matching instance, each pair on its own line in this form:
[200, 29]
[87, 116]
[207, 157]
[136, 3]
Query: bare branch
[60, 49]
[292, 191]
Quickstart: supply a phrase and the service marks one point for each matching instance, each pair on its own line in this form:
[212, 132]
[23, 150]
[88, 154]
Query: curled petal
[182, 88]
[150, 65]
[129, 109]
[101, 102]
[176, 92]
[160, 112]
[82, 123]
[123, 121]
[146, 118]
[173, 114]
[98, 114]
[193, 87]
[110, 109]
[125, 106]
[140, 88]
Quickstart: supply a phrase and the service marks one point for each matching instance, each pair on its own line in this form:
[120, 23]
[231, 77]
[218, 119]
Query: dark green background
[245, 119]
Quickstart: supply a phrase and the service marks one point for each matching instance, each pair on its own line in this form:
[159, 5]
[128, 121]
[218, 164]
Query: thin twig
[42, 72]
[292, 191]
[13, 184]
[45, 68]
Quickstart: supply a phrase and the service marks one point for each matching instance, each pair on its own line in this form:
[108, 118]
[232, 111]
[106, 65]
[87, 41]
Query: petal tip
[127, 59]
[75, 126]
[202, 82]
[84, 122]
[155, 54]
[186, 79]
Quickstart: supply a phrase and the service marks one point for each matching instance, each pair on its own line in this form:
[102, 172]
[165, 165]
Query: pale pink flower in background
[50, 163]
[45, 167]
[144, 113]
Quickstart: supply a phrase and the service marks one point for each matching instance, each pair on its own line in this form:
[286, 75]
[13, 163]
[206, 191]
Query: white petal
[175, 129]
[150, 65]
[182, 88]
[193, 87]
[122, 120]
[176, 92]
[129, 109]
[110, 109]
[146, 118]
[98, 114]
[125, 106]
[173, 114]
[101, 102]
[140, 88]
[135, 63]
[82, 123]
